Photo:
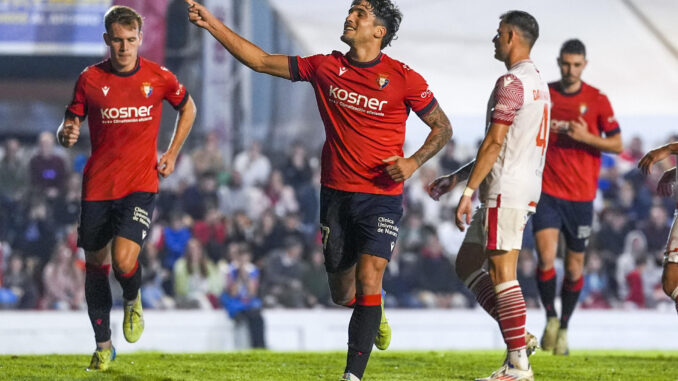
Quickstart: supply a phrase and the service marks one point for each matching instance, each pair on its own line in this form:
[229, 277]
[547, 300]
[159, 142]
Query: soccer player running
[665, 187]
[582, 126]
[122, 97]
[508, 172]
[363, 97]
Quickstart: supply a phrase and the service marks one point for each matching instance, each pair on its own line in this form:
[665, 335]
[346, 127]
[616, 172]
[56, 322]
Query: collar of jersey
[520, 62]
[364, 64]
[129, 73]
[559, 88]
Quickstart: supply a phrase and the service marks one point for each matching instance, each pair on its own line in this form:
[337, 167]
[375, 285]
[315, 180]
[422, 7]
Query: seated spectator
[199, 198]
[283, 273]
[156, 280]
[297, 170]
[240, 297]
[594, 294]
[20, 283]
[196, 279]
[436, 282]
[212, 233]
[252, 165]
[175, 238]
[281, 196]
[314, 279]
[13, 171]
[64, 281]
[47, 169]
[207, 157]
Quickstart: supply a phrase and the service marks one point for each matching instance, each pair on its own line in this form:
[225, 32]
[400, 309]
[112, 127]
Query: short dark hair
[122, 15]
[388, 15]
[525, 22]
[573, 46]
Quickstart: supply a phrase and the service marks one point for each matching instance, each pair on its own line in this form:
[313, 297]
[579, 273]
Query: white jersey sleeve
[520, 100]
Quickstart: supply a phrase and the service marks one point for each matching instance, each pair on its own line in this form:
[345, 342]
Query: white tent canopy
[449, 43]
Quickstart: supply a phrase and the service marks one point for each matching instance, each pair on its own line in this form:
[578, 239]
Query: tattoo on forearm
[441, 132]
[465, 171]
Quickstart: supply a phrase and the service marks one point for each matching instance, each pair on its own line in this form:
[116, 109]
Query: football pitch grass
[389, 365]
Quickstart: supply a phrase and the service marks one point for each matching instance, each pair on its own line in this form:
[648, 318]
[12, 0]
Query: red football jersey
[364, 106]
[124, 112]
[572, 168]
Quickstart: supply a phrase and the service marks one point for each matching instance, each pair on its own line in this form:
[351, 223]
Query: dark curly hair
[388, 15]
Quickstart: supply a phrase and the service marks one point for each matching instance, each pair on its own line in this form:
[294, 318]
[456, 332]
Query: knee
[669, 286]
[124, 261]
[465, 267]
[342, 298]
[574, 269]
[369, 283]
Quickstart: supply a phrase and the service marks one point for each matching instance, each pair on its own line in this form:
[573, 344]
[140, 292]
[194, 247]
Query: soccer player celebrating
[363, 97]
[665, 188]
[122, 97]
[582, 126]
[508, 170]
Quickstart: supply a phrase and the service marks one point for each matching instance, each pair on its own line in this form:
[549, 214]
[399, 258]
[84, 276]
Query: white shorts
[498, 228]
[671, 254]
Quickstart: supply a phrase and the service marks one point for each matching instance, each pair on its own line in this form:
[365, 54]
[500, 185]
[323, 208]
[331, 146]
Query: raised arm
[68, 132]
[401, 168]
[243, 50]
[183, 127]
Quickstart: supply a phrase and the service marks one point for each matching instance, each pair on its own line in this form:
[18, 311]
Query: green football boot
[102, 358]
[383, 338]
[133, 322]
[548, 339]
[561, 343]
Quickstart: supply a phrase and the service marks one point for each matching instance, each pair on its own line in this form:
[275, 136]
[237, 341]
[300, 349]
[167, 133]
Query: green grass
[389, 365]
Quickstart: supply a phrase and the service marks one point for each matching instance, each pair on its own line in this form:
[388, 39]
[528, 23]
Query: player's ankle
[518, 358]
[105, 345]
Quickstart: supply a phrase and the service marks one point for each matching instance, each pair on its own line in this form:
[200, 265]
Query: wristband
[468, 191]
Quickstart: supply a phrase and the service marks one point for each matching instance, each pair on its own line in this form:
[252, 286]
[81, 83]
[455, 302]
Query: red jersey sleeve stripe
[502, 121]
[428, 108]
[509, 98]
[294, 68]
[183, 101]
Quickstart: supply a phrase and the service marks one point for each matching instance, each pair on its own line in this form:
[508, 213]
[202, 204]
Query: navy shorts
[573, 218]
[357, 223]
[128, 217]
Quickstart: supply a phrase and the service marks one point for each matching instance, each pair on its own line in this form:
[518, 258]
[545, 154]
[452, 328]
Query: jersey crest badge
[382, 81]
[105, 90]
[583, 108]
[146, 89]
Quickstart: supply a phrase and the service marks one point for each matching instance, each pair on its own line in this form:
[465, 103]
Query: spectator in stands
[297, 171]
[314, 280]
[36, 236]
[13, 171]
[20, 283]
[268, 236]
[237, 196]
[67, 208]
[417, 194]
[436, 275]
[64, 280]
[197, 283]
[47, 169]
[281, 197]
[594, 293]
[448, 161]
[199, 198]
[284, 271]
[156, 280]
[240, 296]
[252, 165]
[208, 156]
[656, 228]
[212, 233]
[635, 249]
[175, 239]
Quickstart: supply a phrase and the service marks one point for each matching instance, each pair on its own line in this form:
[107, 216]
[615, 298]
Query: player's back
[515, 178]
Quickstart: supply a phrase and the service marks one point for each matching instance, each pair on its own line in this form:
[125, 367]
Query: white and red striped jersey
[521, 100]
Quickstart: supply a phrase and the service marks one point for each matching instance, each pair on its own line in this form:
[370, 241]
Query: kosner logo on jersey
[353, 98]
[126, 112]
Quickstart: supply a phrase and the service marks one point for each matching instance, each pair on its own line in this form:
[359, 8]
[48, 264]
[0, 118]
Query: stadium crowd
[242, 234]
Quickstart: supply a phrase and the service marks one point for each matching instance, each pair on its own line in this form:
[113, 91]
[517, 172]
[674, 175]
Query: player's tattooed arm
[441, 133]
[444, 184]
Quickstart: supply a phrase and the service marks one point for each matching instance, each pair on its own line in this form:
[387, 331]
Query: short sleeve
[78, 105]
[304, 68]
[418, 97]
[176, 93]
[508, 98]
[607, 122]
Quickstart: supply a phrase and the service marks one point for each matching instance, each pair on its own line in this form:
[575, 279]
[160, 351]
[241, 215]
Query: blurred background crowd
[241, 233]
